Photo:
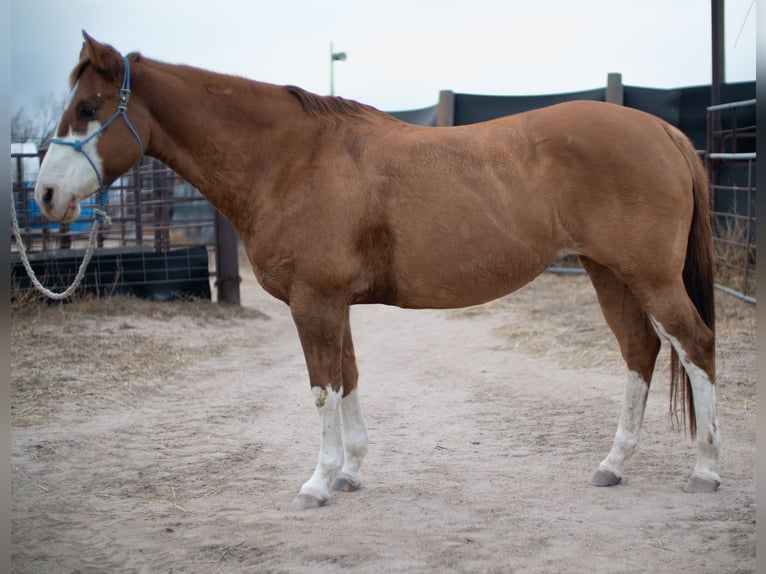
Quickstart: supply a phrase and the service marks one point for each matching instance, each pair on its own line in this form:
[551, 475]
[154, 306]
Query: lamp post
[334, 57]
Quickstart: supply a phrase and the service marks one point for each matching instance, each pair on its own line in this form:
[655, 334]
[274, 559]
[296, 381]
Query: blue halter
[122, 110]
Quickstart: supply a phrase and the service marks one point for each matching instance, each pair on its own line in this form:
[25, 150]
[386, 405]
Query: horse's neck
[215, 130]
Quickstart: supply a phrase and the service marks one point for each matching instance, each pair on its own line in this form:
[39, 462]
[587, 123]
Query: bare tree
[37, 124]
[22, 128]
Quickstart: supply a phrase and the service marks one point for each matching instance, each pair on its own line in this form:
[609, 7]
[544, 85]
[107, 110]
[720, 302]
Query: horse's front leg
[320, 322]
[354, 430]
[316, 490]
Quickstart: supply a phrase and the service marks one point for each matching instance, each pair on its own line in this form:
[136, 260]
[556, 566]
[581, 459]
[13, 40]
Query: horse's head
[93, 144]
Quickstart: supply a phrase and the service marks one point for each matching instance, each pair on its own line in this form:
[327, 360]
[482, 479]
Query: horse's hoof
[605, 478]
[697, 484]
[306, 501]
[345, 484]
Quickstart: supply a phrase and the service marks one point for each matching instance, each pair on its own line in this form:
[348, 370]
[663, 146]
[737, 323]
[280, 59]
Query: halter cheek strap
[122, 110]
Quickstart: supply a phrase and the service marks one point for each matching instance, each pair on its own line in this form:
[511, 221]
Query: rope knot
[103, 218]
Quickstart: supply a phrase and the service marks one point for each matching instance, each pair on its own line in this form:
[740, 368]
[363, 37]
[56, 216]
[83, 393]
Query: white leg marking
[331, 445]
[629, 428]
[70, 175]
[354, 437]
[703, 391]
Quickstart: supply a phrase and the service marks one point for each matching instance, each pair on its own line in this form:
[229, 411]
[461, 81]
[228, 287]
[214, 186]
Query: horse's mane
[312, 104]
[327, 105]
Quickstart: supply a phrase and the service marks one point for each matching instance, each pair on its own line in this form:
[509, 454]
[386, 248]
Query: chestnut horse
[338, 203]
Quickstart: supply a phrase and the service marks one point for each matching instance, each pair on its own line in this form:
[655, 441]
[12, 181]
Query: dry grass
[735, 252]
[558, 318]
[110, 348]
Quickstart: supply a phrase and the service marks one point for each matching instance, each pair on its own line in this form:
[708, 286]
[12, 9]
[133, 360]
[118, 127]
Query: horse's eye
[87, 112]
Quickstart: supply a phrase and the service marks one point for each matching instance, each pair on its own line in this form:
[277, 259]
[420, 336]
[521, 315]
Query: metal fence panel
[160, 228]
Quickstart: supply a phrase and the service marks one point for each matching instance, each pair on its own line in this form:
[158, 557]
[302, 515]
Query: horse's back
[499, 201]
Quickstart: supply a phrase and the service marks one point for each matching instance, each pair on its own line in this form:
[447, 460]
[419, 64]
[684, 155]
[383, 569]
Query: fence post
[226, 261]
[161, 193]
[137, 205]
[718, 59]
[615, 92]
[445, 113]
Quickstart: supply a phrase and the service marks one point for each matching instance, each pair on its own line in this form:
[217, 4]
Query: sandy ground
[172, 437]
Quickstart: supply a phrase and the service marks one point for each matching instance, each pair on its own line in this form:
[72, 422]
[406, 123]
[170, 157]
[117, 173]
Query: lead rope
[100, 213]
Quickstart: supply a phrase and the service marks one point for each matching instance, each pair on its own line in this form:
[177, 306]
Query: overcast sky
[400, 52]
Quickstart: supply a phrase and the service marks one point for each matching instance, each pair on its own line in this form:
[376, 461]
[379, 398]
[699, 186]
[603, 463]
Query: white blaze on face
[66, 176]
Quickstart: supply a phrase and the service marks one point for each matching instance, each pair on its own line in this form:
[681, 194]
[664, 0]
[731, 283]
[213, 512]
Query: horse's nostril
[48, 196]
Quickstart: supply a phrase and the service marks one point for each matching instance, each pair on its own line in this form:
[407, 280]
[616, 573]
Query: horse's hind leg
[639, 345]
[675, 318]
[354, 430]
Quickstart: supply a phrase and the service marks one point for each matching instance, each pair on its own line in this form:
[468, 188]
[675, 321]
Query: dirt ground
[172, 437]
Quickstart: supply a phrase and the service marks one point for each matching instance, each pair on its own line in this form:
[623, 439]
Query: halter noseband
[122, 110]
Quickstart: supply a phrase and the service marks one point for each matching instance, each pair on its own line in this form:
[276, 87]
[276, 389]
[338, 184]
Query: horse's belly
[470, 280]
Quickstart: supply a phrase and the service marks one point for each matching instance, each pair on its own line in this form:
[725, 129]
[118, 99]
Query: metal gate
[159, 225]
[730, 159]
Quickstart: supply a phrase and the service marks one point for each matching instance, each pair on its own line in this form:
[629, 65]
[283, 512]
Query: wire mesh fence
[731, 162]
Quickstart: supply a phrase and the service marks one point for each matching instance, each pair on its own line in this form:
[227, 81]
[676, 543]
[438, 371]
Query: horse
[338, 203]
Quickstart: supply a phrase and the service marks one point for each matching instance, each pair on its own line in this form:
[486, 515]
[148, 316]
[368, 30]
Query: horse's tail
[697, 274]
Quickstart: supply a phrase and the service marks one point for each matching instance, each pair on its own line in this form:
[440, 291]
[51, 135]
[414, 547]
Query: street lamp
[334, 57]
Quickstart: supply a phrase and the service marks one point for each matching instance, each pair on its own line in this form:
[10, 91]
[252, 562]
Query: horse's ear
[103, 57]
